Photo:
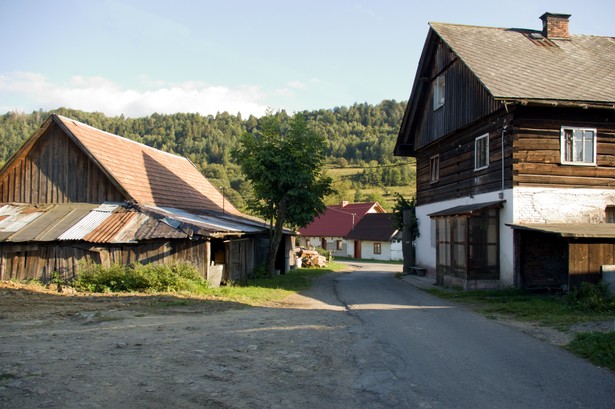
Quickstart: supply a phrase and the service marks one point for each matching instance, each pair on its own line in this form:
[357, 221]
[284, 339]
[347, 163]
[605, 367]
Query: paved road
[417, 351]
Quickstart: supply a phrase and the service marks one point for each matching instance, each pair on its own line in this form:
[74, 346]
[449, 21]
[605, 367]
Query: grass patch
[553, 310]
[597, 347]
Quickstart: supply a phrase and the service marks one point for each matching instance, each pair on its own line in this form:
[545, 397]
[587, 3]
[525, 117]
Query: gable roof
[520, 64]
[374, 227]
[146, 175]
[339, 220]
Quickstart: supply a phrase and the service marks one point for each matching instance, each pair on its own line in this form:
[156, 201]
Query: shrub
[139, 278]
[591, 297]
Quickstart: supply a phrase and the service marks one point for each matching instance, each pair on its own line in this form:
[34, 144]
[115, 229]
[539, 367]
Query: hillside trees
[360, 135]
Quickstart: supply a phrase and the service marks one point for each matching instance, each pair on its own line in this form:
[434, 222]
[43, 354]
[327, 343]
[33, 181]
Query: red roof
[339, 220]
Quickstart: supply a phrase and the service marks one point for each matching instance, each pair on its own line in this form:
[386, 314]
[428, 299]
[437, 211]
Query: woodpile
[311, 258]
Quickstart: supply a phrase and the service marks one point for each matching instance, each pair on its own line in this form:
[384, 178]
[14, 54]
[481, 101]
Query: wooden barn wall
[465, 99]
[536, 152]
[586, 256]
[41, 261]
[55, 170]
[457, 175]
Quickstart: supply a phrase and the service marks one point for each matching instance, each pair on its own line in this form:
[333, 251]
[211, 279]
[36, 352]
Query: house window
[434, 168]
[438, 92]
[481, 152]
[339, 245]
[377, 248]
[308, 244]
[467, 246]
[578, 146]
[610, 214]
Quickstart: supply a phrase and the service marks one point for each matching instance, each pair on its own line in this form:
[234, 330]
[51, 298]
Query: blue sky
[143, 56]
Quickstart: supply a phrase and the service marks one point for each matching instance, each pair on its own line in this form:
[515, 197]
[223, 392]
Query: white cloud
[104, 95]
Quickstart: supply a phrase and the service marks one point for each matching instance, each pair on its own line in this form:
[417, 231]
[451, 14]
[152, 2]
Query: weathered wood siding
[536, 151]
[586, 258]
[40, 261]
[543, 260]
[465, 99]
[56, 171]
[457, 175]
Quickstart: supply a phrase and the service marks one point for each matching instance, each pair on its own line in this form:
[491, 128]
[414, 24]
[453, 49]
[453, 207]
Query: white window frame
[565, 143]
[434, 169]
[439, 88]
[477, 146]
[377, 248]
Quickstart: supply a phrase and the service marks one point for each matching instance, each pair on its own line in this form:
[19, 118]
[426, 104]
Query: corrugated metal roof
[107, 230]
[87, 223]
[15, 217]
[51, 223]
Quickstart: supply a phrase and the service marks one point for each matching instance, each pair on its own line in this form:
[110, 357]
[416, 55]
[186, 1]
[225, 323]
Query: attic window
[438, 92]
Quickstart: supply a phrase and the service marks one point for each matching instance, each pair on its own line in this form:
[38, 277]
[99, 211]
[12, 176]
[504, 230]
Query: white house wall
[425, 243]
[554, 205]
[316, 242]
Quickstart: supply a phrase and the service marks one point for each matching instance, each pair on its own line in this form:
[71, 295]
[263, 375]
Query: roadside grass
[597, 347]
[367, 260]
[553, 310]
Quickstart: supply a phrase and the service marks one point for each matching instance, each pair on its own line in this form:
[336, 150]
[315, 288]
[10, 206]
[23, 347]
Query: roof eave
[557, 103]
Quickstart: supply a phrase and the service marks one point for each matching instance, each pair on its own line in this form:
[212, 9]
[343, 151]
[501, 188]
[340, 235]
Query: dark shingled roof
[512, 65]
[374, 227]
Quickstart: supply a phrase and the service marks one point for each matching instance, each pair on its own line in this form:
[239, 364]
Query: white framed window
[438, 92]
[339, 245]
[481, 152]
[434, 169]
[578, 146]
[377, 248]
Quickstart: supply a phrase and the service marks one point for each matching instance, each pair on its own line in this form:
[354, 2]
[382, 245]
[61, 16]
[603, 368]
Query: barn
[74, 195]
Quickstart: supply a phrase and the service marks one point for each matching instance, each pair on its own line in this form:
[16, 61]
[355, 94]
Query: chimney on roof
[555, 26]
[344, 203]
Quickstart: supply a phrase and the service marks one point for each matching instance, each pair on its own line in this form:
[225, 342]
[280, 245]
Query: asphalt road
[417, 351]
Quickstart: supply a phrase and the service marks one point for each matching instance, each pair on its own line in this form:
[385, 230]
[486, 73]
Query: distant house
[74, 195]
[375, 237]
[513, 131]
[329, 230]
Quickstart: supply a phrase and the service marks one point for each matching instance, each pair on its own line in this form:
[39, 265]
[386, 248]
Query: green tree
[284, 163]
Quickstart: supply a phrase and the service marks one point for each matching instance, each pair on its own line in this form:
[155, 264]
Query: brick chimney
[555, 26]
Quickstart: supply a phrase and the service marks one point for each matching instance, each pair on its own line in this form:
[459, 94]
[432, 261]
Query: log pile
[311, 258]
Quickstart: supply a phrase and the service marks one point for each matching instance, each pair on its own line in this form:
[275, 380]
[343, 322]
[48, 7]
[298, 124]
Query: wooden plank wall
[536, 152]
[586, 258]
[39, 262]
[465, 100]
[457, 175]
[55, 170]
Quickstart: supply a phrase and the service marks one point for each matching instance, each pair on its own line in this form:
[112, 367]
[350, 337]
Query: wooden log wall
[536, 153]
[41, 261]
[586, 258]
[456, 155]
[55, 170]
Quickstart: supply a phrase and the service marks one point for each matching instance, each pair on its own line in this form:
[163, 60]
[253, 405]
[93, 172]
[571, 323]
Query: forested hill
[361, 136]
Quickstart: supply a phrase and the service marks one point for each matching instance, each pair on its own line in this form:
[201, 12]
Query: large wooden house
[74, 195]
[513, 131]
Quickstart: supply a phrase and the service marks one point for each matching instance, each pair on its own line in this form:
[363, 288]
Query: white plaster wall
[426, 252]
[556, 205]
[396, 251]
[367, 250]
[331, 244]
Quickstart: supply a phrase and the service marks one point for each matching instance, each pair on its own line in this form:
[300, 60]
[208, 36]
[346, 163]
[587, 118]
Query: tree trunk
[407, 246]
[276, 238]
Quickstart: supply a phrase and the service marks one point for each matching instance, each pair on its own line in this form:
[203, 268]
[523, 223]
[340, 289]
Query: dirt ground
[92, 351]
[130, 351]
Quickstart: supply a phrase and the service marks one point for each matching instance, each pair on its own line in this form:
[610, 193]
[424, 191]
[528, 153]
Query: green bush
[591, 297]
[139, 278]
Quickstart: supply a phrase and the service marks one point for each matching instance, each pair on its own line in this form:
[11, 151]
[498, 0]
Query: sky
[138, 57]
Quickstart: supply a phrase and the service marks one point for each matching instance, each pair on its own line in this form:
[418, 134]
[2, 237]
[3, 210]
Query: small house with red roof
[375, 237]
[74, 195]
[329, 230]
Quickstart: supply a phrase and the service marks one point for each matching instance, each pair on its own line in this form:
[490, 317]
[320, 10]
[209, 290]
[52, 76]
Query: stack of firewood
[311, 258]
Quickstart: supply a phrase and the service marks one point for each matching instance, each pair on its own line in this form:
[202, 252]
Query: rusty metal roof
[114, 223]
